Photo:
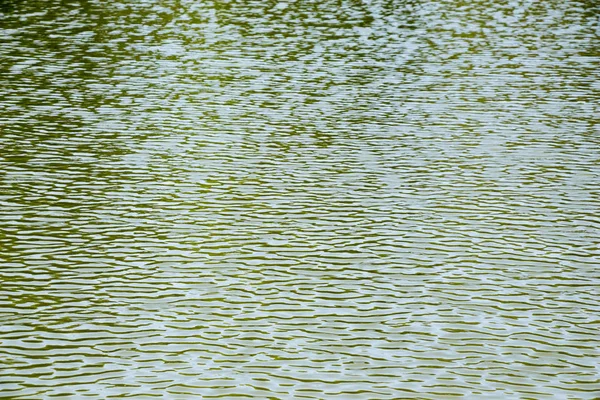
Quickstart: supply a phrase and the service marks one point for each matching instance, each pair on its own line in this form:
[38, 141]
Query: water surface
[346, 199]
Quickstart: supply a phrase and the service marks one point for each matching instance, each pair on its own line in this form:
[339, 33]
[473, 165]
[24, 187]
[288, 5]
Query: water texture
[386, 199]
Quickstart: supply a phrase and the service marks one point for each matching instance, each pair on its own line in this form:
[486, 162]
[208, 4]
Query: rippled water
[323, 199]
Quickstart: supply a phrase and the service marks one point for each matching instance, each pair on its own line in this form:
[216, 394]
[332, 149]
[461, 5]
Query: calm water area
[317, 199]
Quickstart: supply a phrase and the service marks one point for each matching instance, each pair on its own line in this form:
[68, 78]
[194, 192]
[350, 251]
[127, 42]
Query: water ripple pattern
[350, 199]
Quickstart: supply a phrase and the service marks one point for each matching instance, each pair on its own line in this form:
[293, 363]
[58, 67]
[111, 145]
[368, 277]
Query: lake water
[378, 199]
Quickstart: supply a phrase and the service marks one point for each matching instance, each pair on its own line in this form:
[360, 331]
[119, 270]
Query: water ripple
[315, 200]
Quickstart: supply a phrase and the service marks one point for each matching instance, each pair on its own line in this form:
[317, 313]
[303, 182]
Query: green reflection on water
[386, 199]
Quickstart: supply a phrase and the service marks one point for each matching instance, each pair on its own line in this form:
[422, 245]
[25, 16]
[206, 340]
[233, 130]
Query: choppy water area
[323, 199]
